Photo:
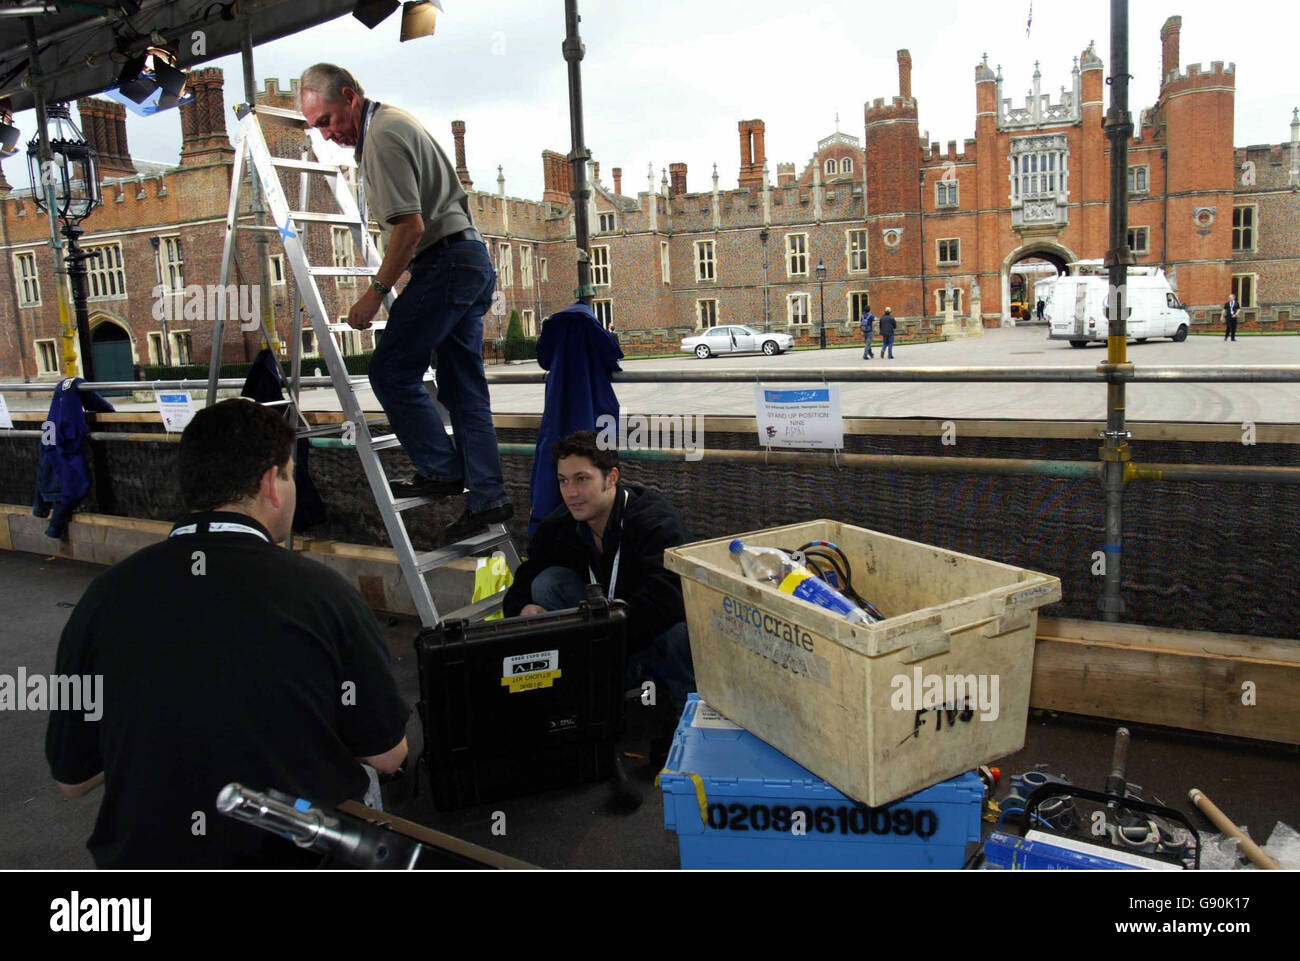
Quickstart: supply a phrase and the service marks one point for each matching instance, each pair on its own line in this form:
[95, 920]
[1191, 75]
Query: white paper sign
[706, 716]
[177, 409]
[6, 421]
[799, 417]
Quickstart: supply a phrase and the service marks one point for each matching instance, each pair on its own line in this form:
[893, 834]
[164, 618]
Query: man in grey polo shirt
[411, 189]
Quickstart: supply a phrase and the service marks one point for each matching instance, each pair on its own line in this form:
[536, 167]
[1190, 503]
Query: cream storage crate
[883, 710]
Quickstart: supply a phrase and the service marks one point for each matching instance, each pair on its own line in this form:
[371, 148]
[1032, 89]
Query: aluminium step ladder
[251, 150]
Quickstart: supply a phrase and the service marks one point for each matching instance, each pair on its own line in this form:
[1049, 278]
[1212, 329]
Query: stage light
[419, 18]
[150, 82]
[8, 132]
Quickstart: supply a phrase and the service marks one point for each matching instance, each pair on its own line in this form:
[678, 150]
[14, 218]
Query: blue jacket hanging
[62, 477]
[580, 356]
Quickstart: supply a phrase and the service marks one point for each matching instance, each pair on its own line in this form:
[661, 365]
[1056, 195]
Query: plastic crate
[854, 704]
[732, 800]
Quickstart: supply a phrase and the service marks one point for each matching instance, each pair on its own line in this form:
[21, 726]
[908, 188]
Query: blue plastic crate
[732, 800]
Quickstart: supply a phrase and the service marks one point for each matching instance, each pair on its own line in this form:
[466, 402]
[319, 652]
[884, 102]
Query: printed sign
[6, 421]
[530, 672]
[706, 716]
[800, 417]
[177, 409]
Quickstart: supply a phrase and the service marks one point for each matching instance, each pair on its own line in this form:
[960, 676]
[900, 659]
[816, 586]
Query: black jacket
[647, 525]
[887, 324]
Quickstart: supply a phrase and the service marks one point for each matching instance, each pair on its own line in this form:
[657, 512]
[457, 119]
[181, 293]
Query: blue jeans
[441, 309]
[866, 339]
[887, 344]
[667, 660]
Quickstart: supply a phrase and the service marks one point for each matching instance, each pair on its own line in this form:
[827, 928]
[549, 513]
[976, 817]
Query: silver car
[735, 339]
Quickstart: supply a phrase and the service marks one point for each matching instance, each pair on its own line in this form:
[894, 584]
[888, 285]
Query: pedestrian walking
[868, 331]
[887, 327]
[1230, 311]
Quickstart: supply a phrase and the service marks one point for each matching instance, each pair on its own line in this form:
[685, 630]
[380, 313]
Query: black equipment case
[524, 704]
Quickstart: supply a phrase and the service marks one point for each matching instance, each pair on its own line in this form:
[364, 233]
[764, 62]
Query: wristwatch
[381, 287]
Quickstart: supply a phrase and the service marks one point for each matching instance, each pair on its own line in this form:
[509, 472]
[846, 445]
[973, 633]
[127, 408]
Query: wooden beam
[1237, 685]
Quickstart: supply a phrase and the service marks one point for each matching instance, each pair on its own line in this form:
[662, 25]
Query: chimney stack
[752, 153]
[1169, 35]
[618, 181]
[905, 75]
[557, 176]
[785, 175]
[203, 121]
[462, 172]
[104, 124]
[677, 172]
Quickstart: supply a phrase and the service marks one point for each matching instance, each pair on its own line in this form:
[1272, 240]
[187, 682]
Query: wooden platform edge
[1235, 685]
[106, 539]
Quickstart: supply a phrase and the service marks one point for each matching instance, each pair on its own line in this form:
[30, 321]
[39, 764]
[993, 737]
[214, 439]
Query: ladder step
[343, 271]
[470, 546]
[478, 610]
[278, 115]
[314, 217]
[385, 442]
[406, 503]
[308, 165]
[324, 430]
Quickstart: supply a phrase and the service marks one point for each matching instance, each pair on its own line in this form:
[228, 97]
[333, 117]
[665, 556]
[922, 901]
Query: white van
[1076, 307]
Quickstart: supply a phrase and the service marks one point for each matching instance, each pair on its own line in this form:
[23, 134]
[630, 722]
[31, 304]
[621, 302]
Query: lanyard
[613, 574]
[219, 527]
[367, 113]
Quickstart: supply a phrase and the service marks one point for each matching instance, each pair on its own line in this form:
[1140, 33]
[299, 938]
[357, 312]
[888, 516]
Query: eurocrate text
[662, 432]
[75, 915]
[242, 302]
[966, 693]
[58, 692]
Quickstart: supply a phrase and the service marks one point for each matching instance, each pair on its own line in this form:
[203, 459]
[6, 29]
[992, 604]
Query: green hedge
[524, 349]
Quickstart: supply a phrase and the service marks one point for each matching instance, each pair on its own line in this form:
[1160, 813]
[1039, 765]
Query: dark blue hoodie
[580, 356]
[62, 477]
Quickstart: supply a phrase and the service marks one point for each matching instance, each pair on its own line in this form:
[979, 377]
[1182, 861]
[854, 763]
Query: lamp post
[72, 171]
[821, 283]
[763, 235]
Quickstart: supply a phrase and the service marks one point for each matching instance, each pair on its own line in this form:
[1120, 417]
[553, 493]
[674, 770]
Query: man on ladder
[410, 187]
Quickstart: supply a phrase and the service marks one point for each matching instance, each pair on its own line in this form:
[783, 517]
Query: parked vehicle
[736, 339]
[1077, 306]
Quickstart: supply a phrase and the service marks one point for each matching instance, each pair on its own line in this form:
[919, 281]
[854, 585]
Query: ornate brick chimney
[905, 75]
[1169, 37]
[753, 153]
[203, 120]
[677, 174]
[103, 123]
[618, 181]
[462, 171]
[557, 176]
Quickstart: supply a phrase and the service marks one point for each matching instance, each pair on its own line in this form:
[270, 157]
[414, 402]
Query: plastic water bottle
[768, 565]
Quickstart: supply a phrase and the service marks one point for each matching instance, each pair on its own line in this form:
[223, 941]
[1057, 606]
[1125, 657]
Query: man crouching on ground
[612, 533]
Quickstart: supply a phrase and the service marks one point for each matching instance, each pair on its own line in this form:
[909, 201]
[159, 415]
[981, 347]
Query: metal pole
[168, 304]
[77, 273]
[1116, 453]
[71, 332]
[767, 314]
[821, 285]
[261, 237]
[573, 53]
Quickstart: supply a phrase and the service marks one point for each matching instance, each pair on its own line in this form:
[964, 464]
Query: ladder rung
[322, 431]
[313, 217]
[314, 166]
[274, 403]
[287, 118]
[385, 442]
[406, 503]
[478, 610]
[472, 545]
[343, 271]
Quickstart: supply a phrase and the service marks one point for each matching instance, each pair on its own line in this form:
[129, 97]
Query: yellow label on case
[530, 682]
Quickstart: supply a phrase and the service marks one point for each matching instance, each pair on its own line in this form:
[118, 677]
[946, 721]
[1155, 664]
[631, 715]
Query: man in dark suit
[1230, 311]
[887, 327]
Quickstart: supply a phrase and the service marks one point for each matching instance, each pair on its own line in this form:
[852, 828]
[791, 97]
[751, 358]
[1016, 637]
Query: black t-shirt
[224, 658]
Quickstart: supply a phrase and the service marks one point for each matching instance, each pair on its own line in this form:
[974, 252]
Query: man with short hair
[410, 187]
[1230, 311]
[887, 328]
[612, 533]
[224, 657]
[868, 329]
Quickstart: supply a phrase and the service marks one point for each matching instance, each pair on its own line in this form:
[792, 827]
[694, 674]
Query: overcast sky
[667, 81]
